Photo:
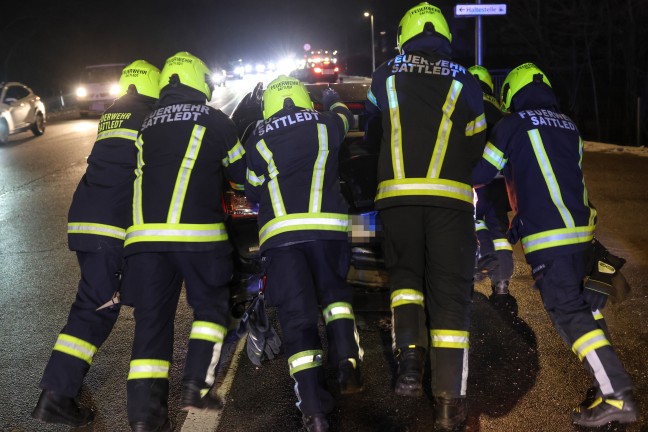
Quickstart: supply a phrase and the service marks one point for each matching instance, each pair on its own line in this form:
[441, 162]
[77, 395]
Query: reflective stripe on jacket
[293, 173]
[101, 207]
[540, 151]
[183, 148]
[433, 126]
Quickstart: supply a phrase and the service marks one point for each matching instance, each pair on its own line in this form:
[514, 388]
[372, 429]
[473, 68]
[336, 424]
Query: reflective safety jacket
[433, 131]
[183, 149]
[540, 151]
[101, 206]
[292, 161]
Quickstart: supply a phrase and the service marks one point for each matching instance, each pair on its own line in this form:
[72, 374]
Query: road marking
[207, 421]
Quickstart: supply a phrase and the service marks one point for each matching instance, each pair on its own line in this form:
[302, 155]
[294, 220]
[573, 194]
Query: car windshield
[102, 74]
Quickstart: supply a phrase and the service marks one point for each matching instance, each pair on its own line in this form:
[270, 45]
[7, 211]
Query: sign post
[477, 10]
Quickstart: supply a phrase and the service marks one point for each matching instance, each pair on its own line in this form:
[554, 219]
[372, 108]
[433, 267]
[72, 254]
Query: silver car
[20, 110]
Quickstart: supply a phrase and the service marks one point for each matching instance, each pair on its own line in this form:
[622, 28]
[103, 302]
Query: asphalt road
[522, 377]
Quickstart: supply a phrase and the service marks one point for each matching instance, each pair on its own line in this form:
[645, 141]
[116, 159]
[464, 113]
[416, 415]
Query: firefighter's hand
[272, 344]
[329, 97]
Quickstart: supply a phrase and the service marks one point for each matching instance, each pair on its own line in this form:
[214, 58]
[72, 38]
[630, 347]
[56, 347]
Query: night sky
[593, 52]
[47, 46]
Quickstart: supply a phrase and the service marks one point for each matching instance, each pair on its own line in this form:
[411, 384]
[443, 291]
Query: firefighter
[540, 152]
[98, 217]
[432, 117]
[492, 207]
[184, 146]
[292, 159]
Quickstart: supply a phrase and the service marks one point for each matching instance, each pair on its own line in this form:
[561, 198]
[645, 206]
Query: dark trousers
[429, 254]
[86, 328]
[153, 284]
[492, 209]
[299, 278]
[561, 288]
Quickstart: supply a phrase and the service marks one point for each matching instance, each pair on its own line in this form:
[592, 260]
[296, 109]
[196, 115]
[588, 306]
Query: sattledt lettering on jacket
[274, 123]
[112, 121]
[547, 118]
[176, 112]
[421, 65]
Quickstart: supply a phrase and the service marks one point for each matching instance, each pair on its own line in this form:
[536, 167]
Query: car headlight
[81, 92]
[115, 89]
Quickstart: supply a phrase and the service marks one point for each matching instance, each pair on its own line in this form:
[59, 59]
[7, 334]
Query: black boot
[316, 423]
[349, 377]
[53, 407]
[409, 380]
[449, 413]
[500, 287]
[619, 407]
[167, 426]
[192, 397]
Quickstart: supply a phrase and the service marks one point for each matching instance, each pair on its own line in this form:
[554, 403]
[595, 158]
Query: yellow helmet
[414, 21]
[143, 75]
[517, 79]
[282, 88]
[482, 74]
[191, 71]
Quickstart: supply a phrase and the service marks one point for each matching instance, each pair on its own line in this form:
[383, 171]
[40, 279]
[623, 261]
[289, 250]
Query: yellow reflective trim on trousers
[184, 174]
[304, 221]
[305, 360]
[550, 177]
[129, 134]
[191, 233]
[237, 152]
[449, 339]
[502, 244]
[317, 182]
[338, 310]
[557, 237]
[149, 368]
[396, 133]
[597, 314]
[96, 229]
[138, 217]
[208, 331]
[494, 156]
[75, 347]
[443, 134]
[424, 186]
[406, 296]
[476, 126]
[589, 342]
[273, 185]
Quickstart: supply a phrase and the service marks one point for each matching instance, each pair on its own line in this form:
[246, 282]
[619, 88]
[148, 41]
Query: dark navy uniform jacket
[292, 161]
[101, 207]
[433, 129]
[184, 147]
[540, 151]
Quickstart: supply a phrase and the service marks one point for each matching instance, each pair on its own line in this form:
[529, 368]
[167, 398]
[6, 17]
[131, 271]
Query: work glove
[263, 343]
[604, 279]
[329, 97]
